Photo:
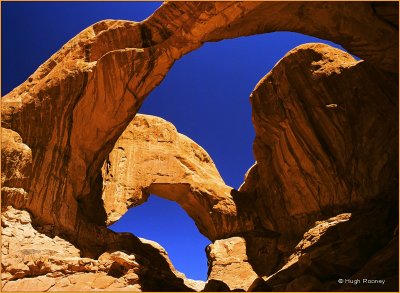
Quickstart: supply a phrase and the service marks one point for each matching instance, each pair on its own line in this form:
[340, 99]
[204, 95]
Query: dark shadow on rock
[261, 244]
[216, 286]
[259, 285]
[364, 247]
[91, 206]
[158, 275]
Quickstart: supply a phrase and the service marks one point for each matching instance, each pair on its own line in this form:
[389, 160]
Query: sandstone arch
[312, 163]
[83, 110]
[71, 111]
[151, 157]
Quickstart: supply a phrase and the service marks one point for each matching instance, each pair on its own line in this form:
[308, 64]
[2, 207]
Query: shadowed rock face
[326, 143]
[362, 245]
[326, 146]
[318, 117]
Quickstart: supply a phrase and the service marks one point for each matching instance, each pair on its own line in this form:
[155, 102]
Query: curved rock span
[151, 157]
[325, 178]
[112, 66]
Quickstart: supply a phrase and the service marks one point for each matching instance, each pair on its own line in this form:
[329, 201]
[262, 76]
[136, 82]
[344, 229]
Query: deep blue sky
[205, 95]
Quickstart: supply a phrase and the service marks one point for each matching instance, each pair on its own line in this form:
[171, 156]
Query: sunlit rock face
[151, 157]
[326, 146]
[16, 165]
[229, 266]
[37, 258]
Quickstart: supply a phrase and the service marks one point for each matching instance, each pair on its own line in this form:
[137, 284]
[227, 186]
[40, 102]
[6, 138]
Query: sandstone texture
[341, 248]
[36, 258]
[319, 204]
[229, 265]
[16, 164]
[318, 117]
[151, 157]
[32, 259]
[112, 66]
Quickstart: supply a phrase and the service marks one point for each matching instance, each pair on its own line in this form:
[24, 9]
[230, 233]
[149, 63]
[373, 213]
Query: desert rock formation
[326, 148]
[37, 258]
[151, 157]
[76, 83]
[319, 116]
[229, 265]
[16, 165]
[340, 248]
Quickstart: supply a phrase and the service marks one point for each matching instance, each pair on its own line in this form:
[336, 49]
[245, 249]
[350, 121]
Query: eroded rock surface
[325, 144]
[16, 164]
[319, 117]
[36, 258]
[362, 245]
[151, 157]
[229, 265]
[326, 147]
[86, 94]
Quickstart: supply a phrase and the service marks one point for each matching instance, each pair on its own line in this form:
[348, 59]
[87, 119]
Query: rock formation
[326, 148]
[318, 117]
[340, 248]
[151, 157]
[36, 258]
[16, 164]
[228, 262]
[112, 66]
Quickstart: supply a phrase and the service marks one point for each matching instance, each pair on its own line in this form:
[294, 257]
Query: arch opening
[216, 122]
[209, 118]
[165, 222]
[210, 104]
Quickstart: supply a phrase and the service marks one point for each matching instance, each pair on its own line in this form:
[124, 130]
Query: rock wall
[16, 168]
[362, 245]
[320, 147]
[326, 145]
[229, 266]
